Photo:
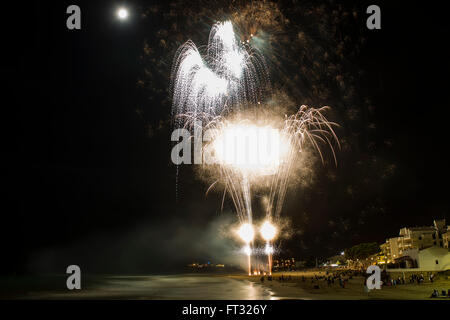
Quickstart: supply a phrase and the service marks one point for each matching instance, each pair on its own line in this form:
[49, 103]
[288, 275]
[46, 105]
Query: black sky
[81, 166]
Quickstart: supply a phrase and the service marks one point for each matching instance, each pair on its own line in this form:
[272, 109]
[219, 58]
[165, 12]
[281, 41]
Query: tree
[362, 250]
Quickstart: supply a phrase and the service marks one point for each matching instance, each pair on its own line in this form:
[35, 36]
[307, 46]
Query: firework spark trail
[228, 76]
[308, 124]
[204, 89]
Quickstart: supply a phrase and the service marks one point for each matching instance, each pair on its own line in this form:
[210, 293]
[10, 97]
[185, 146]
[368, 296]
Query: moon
[122, 13]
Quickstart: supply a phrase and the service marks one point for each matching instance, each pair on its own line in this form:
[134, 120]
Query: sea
[170, 287]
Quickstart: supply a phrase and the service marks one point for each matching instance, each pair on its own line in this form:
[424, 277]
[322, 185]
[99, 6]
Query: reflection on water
[202, 287]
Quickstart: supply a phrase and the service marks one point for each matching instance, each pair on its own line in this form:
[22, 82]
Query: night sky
[86, 133]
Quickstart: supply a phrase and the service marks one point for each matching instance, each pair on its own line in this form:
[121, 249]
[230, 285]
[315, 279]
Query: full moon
[122, 13]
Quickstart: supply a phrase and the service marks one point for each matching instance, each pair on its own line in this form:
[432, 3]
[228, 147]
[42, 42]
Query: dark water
[187, 286]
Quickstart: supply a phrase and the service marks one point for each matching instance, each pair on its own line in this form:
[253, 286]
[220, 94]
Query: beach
[295, 288]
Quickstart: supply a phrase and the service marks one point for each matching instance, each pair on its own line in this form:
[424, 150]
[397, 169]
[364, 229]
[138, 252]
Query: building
[334, 261]
[423, 237]
[392, 248]
[446, 238]
[284, 264]
[197, 265]
[433, 258]
[423, 248]
[416, 238]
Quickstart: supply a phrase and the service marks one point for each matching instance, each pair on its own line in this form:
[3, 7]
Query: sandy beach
[295, 288]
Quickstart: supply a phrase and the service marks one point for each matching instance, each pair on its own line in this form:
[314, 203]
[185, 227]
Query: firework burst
[223, 92]
[226, 77]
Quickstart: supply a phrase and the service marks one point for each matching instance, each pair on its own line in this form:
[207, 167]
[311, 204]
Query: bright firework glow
[268, 231]
[246, 232]
[251, 149]
[247, 250]
[246, 152]
[269, 249]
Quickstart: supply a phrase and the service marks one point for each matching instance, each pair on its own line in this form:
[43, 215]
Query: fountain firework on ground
[224, 93]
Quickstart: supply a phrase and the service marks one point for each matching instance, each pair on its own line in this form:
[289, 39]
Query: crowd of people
[342, 277]
[330, 278]
[443, 294]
